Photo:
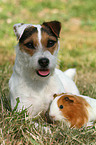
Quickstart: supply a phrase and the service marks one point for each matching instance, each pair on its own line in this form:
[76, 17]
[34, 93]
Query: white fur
[34, 91]
[58, 115]
[19, 29]
[55, 111]
[55, 114]
[68, 83]
[92, 108]
[39, 34]
[70, 73]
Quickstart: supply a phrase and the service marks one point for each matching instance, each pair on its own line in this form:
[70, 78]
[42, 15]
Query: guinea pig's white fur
[77, 111]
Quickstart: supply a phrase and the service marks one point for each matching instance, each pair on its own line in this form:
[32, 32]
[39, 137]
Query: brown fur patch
[55, 27]
[74, 109]
[33, 38]
[44, 40]
[31, 35]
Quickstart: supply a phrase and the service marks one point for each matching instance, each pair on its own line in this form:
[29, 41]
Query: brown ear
[69, 100]
[66, 98]
[55, 27]
[54, 96]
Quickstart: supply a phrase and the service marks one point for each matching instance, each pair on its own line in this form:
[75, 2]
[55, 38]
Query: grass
[78, 49]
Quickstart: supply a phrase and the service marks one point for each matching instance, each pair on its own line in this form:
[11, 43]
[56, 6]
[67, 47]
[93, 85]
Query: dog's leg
[71, 73]
[67, 82]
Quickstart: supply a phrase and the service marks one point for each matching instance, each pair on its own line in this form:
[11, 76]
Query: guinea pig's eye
[61, 106]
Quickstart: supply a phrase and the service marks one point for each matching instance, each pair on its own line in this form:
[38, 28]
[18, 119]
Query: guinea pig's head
[59, 106]
[69, 108]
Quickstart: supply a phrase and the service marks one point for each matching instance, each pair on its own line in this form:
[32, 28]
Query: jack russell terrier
[35, 78]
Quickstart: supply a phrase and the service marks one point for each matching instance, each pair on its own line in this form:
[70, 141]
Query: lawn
[77, 50]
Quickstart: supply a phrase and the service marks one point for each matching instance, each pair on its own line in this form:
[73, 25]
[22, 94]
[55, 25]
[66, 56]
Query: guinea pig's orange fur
[74, 109]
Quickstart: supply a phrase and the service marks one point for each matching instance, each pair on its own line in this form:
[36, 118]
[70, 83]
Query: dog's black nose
[43, 62]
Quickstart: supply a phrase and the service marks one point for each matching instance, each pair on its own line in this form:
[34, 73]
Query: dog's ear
[19, 29]
[55, 27]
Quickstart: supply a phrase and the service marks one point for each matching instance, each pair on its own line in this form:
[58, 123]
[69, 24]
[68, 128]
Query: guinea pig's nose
[43, 62]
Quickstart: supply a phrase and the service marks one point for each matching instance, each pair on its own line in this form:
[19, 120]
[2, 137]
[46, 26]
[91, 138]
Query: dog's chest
[35, 93]
[41, 89]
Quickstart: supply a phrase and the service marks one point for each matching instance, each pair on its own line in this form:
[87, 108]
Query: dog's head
[38, 47]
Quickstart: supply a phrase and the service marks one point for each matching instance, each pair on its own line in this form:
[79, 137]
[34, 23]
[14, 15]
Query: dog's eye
[61, 106]
[30, 45]
[51, 43]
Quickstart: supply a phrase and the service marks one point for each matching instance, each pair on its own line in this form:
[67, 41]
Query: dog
[35, 78]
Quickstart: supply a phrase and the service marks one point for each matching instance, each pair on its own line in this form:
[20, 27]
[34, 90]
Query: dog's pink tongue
[43, 72]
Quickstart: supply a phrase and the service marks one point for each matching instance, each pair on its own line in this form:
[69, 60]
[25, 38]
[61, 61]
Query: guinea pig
[75, 111]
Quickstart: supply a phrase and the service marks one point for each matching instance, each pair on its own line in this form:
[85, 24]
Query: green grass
[78, 49]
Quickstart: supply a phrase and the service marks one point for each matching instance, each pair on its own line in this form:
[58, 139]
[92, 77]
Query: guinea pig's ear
[54, 96]
[55, 27]
[68, 99]
[19, 29]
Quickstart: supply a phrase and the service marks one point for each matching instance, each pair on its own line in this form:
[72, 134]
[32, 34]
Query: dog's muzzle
[43, 71]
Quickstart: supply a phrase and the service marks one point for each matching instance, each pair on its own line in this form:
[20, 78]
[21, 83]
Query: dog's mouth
[43, 72]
